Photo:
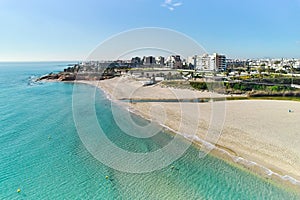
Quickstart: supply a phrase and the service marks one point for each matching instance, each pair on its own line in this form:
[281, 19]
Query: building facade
[174, 62]
[206, 62]
[149, 60]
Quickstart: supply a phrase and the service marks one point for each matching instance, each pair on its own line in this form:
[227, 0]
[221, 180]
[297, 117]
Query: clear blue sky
[69, 30]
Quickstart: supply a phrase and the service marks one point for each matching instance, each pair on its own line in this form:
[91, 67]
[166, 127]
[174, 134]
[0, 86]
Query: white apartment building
[206, 62]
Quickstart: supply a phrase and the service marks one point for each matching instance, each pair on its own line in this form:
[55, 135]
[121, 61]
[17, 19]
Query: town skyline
[215, 62]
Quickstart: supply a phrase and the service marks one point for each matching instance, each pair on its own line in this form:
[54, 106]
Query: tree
[239, 72]
[227, 73]
[269, 69]
[248, 69]
[260, 70]
[277, 62]
[169, 76]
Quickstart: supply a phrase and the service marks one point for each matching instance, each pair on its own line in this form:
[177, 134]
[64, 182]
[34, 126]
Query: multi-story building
[220, 62]
[174, 62]
[149, 60]
[136, 62]
[206, 62]
[160, 60]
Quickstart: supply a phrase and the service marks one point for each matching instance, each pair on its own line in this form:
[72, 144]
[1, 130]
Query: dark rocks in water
[60, 77]
[49, 77]
[67, 76]
[72, 76]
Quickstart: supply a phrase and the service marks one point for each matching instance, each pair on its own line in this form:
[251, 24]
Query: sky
[35, 30]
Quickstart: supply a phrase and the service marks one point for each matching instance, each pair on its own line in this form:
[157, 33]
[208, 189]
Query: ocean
[43, 155]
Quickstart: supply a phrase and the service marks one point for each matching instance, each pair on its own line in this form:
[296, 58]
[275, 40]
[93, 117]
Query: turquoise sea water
[41, 152]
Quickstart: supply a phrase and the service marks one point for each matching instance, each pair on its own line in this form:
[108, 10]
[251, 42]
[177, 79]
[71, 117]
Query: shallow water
[42, 154]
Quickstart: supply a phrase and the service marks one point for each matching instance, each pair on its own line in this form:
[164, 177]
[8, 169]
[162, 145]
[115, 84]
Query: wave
[236, 159]
[244, 162]
[32, 80]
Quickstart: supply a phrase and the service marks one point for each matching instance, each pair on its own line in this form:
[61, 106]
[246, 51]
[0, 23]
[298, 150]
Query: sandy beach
[261, 131]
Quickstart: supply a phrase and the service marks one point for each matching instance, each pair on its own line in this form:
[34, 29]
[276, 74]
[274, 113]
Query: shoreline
[221, 152]
[231, 157]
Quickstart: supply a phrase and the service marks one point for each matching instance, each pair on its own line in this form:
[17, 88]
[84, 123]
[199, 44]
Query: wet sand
[261, 135]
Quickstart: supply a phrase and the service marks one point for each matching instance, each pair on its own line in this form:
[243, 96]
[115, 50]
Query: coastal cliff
[87, 73]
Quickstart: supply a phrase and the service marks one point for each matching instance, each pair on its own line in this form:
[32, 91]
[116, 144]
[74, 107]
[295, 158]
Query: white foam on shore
[107, 95]
[97, 86]
[245, 162]
[236, 159]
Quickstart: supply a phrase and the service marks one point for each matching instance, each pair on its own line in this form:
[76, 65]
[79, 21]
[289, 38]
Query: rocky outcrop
[49, 77]
[67, 77]
[62, 76]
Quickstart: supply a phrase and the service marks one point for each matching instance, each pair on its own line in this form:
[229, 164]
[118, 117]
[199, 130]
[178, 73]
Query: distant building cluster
[148, 61]
[206, 63]
[283, 65]
[173, 62]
